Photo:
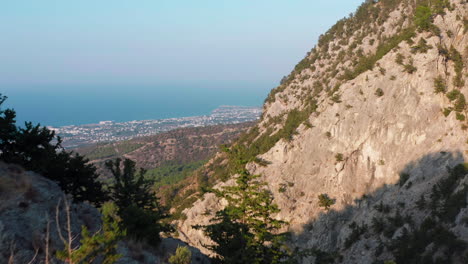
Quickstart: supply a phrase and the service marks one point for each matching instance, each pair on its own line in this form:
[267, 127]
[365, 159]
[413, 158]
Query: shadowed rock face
[379, 136]
[29, 201]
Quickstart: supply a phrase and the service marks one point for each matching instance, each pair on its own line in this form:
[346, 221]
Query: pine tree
[138, 206]
[325, 201]
[245, 230]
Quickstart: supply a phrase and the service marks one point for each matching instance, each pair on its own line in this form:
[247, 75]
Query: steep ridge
[374, 116]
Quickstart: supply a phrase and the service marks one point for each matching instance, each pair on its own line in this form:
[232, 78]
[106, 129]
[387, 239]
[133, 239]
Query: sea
[76, 105]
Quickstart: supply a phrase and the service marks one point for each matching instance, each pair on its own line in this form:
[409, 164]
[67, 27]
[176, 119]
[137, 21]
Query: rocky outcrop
[365, 134]
[28, 215]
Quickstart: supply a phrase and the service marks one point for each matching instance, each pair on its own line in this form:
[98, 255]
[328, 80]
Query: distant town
[107, 131]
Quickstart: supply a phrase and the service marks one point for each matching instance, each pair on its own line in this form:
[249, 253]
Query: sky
[71, 44]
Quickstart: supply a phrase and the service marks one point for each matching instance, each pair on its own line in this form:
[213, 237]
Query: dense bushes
[38, 149]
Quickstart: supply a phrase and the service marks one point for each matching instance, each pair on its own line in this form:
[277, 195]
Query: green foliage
[460, 103]
[399, 58]
[409, 67]
[457, 59]
[183, 255]
[421, 203]
[403, 179]
[453, 95]
[460, 117]
[438, 6]
[100, 246]
[410, 247]
[109, 150]
[378, 225]
[282, 188]
[445, 202]
[382, 208]
[37, 148]
[336, 98]
[339, 157]
[422, 46]
[325, 201]
[368, 62]
[356, 232]
[439, 85]
[423, 17]
[245, 231]
[447, 111]
[379, 92]
[138, 207]
[241, 153]
[172, 172]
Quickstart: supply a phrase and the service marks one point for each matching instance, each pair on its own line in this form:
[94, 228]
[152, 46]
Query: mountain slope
[32, 211]
[179, 146]
[356, 116]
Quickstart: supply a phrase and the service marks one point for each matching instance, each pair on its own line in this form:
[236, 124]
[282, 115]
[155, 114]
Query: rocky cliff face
[28, 215]
[374, 133]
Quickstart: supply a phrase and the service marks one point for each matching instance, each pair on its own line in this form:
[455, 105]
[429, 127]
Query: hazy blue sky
[57, 42]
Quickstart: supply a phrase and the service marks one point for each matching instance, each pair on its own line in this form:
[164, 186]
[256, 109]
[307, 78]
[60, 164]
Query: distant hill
[179, 147]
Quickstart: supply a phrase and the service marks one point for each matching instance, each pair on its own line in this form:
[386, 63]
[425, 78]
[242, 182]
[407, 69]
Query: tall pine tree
[138, 206]
[245, 230]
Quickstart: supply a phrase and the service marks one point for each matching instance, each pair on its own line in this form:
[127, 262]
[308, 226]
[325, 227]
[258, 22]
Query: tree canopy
[245, 231]
[38, 149]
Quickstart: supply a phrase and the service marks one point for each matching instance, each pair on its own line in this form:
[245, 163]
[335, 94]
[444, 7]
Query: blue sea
[76, 105]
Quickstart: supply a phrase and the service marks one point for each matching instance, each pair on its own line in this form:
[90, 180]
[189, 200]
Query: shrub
[421, 203]
[325, 201]
[339, 157]
[460, 103]
[379, 92]
[460, 117]
[439, 85]
[403, 178]
[399, 58]
[457, 59]
[183, 255]
[410, 68]
[378, 225]
[421, 47]
[355, 235]
[423, 17]
[453, 95]
[447, 111]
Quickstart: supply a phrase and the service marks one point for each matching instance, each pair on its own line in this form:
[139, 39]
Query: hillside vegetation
[373, 118]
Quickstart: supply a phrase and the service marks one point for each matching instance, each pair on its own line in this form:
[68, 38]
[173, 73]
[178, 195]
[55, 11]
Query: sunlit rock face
[385, 123]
